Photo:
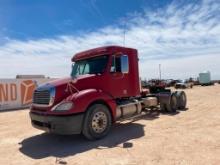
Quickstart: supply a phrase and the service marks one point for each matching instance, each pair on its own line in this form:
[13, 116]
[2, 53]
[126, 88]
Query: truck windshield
[93, 65]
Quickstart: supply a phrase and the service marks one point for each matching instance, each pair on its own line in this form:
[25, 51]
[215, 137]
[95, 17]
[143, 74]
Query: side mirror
[124, 64]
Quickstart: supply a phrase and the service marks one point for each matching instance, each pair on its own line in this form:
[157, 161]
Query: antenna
[124, 32]
[160, 71]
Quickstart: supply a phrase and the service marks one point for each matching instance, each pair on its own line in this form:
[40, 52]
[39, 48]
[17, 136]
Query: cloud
[184, 39]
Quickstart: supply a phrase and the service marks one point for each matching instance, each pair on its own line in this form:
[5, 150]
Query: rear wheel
[97, 122]
[181, 100]
[171, 106]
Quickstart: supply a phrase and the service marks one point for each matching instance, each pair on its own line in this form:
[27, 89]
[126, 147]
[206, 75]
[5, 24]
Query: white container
[205, 77]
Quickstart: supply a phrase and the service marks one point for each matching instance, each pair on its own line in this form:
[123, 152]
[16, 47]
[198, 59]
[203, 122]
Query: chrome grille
[41, 97]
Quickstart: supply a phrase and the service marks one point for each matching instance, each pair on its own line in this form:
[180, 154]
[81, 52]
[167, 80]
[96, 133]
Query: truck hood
[60, 89]
[59, 82]
[67, 86]
[66, 80]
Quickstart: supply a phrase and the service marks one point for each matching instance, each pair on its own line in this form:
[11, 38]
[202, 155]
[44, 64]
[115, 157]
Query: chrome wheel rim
[99, 122]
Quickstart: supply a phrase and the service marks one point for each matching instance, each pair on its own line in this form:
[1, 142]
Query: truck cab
[103, 87]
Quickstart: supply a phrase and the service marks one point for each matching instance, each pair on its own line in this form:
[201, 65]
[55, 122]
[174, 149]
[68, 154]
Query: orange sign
[27, 89]
[17, 93]
[9, 92]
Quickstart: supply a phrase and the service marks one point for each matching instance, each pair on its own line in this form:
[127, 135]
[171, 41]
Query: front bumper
[58, 124]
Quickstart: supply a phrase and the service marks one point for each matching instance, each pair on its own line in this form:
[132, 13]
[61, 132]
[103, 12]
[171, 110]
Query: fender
[84, 98]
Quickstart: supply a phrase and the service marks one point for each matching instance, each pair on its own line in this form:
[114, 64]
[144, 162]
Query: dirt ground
[187, 137]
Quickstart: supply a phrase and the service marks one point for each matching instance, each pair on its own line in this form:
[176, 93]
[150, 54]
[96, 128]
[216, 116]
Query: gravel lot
[187, 137]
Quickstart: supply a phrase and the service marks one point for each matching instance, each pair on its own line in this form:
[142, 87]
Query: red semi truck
[104, 87]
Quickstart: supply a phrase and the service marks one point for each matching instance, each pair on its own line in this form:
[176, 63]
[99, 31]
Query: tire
[163, 107]
[97, 122]
[181, 100]
[171, 106]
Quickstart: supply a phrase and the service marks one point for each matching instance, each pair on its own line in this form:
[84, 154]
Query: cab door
[118, 76]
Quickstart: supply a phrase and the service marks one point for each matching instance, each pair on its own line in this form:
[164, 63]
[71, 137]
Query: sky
[40, 37]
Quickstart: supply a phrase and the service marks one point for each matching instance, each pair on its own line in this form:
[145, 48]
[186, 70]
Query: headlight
[64, 106]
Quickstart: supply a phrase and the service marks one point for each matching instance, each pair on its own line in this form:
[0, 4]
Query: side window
[120, 64]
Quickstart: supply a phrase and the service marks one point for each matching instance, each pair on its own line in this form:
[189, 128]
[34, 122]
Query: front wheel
[97, 122]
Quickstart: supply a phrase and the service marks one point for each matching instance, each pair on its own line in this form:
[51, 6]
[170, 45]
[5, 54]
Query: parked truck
[104, 87]
[183, 84]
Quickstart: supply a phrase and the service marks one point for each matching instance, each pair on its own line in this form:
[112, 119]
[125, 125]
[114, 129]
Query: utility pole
[160, 71]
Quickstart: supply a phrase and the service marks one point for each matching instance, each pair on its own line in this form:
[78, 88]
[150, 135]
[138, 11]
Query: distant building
[29, 76]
